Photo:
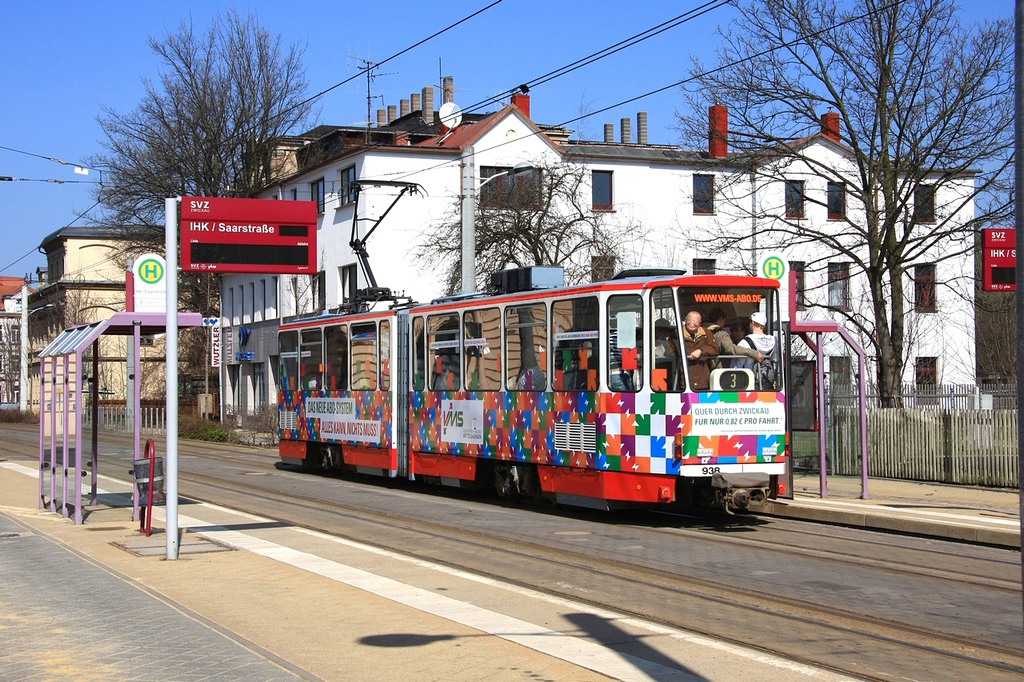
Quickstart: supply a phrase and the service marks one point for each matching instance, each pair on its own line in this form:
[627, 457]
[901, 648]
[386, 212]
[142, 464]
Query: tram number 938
[708, 471]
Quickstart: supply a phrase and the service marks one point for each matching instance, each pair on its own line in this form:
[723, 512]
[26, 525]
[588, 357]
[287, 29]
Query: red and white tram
[580, 395]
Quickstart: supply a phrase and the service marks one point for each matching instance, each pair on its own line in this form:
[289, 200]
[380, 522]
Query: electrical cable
[363, 71]
[684, 81]
[77, 218]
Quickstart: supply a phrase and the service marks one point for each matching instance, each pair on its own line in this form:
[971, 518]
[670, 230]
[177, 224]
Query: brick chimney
[401, 139]
[521, 101]
[718, 131]
[830, 125]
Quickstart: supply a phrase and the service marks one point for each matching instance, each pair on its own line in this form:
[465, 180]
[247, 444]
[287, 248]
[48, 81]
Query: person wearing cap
[757, 340]
[725, 342]
[700, 348]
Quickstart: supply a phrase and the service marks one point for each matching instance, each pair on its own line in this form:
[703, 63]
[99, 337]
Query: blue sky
[63, 63]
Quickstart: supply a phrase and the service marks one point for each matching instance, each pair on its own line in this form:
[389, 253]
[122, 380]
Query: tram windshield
[741, 340]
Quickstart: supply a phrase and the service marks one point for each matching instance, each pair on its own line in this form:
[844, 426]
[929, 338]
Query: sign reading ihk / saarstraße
[248, 235]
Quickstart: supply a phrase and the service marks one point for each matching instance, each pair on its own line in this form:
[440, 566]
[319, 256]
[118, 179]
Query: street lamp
[23, 388]
[469, 194]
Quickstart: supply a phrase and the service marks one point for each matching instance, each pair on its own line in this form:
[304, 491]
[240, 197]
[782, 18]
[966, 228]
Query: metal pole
[171, 258]
[1018, 220]
[468, 221]
[23, 391]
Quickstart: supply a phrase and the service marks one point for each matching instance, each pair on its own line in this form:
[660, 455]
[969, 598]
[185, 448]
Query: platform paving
[963, 513]
[266, 601]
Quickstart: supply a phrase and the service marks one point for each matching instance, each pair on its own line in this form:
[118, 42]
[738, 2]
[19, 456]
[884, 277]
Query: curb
[966, 531]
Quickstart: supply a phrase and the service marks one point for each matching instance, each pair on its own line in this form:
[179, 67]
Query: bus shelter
[61, 389]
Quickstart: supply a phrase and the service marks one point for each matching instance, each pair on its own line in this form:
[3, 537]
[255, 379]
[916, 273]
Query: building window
[252, 302]
[272, 299]
[703, 266]
[798, 267]
[229, 306]
[295, 193]
[794, 198]
[316, 191]
[349, 282]
[54, 266]
[704, 194]
[836, 201]
[347, 188]
[839, 286]
[924, 288]
[261, 304]
[926, 371]
[602, 190]
[924, 203]
[320, 291]
[518, 191]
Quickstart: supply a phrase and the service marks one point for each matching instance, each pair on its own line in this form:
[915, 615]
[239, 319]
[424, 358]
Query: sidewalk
[249, 598]
[970, 514]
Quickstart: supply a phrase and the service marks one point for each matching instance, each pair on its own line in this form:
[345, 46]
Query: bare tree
[541, 217]
[210, 126]
[925, 107]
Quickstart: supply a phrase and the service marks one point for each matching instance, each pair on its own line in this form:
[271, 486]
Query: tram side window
[526, 348]
[574, 326]
[483, 349]
[311, 360]
[336, 357]
[419, 351]
[364, 356]
[385, 355]
[288, 345]
[443, 342]
[667, 365]
[625, 338]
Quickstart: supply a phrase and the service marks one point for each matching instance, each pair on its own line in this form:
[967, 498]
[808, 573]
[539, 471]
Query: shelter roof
[77, 338]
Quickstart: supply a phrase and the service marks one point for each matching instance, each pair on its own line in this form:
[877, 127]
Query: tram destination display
[248, 235]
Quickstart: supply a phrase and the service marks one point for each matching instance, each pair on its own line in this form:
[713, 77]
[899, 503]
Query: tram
[580, 395]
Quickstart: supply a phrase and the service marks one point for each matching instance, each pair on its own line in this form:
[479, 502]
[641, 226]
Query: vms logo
[453, 418]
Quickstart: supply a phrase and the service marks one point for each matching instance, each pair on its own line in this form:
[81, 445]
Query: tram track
[859, 632]
[837, 639]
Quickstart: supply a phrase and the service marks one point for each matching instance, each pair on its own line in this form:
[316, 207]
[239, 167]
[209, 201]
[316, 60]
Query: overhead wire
[684, 81]
[635, 39]
[302, 103]
[77, 218]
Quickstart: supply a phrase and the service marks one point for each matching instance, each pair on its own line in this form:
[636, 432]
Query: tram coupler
[737, 492]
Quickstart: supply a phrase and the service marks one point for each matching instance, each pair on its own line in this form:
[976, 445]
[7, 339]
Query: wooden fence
[970, 447]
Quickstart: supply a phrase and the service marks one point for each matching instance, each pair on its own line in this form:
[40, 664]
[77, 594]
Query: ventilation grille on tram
[288, 420]
[577, 437]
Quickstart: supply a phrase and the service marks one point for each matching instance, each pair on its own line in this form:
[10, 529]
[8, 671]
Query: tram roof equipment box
[525, 279]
